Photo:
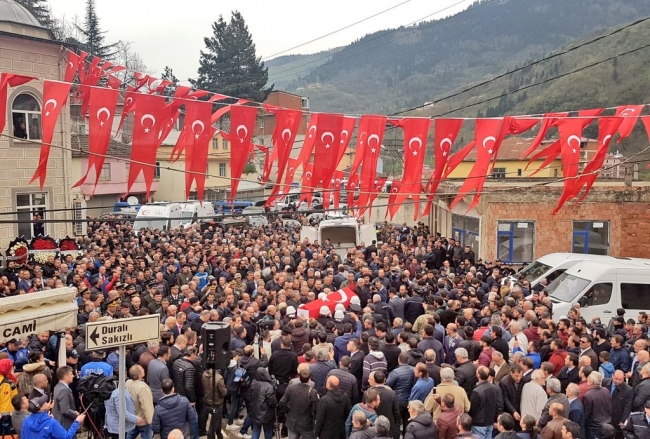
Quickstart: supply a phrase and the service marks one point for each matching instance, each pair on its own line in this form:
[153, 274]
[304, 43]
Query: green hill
[295, 63]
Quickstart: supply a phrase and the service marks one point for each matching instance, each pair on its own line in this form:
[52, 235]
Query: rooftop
[80, 146]
[512, 147]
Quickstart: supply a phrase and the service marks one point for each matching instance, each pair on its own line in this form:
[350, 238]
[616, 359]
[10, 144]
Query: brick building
[266, 121]
[29, 49]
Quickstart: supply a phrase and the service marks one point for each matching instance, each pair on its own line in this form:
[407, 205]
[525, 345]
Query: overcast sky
[166, 32]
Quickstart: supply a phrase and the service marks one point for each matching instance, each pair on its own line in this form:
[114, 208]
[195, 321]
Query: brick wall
[626, 209]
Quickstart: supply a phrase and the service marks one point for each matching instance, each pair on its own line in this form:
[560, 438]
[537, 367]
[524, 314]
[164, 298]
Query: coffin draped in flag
[242, 124]
[102, 103]
[55, 95]
[341, 296]
[148, 123]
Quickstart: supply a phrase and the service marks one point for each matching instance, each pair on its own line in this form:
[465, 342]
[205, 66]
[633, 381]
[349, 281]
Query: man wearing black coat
[621, 398]
[511, 388]
[413, 307]
[485, 403]
[185, 376]
[388, 405]
[464, 371]
[283, 364]
[347, 382]
[569, 373]
[299, 403]
[333, 411]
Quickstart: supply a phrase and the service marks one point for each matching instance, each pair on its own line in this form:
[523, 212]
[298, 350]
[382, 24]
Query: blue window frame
[516, 241]
[466, 238]
[590, 237]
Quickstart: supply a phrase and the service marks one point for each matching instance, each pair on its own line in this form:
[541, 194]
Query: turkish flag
[548, 121]
[393, 206]
[307, 183]
[55, 95]
[351, 188]
[148, 121]
[169, 116]
[630, 114]
[341, 296]
[309, 141]
[198, 135]
[445, 132]
[292, 166]
[371, 132]
[71, 67]
[570, 140]
[102, 103]
[607, 127]
[378, 185]
[487, 138]
[94, 74]
[127, 107]
[326, 148]
[242, 124]
[416, 132]
[338, 179]
[12, 80]
[287, 123]
[346, 135]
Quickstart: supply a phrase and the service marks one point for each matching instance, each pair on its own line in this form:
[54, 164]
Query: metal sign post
[122, 332]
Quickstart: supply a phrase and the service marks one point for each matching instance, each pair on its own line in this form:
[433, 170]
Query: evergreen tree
[93, 36]
[229, 65]
[168, 75]
[40, 10]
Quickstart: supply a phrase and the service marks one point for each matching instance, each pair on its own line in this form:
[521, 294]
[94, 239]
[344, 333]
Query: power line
[336, 31]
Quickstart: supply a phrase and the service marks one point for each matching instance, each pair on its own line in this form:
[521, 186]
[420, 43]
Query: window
[222, 169]
[499, 173]
[591, 237]
[516, 241]
[555, 173]
[77, 215]
[207, 169]
[519, 172]
[215, 143]
[30, 210]
[156, 172]
[225, 144]
[635, 296]
[304, 103]
[105, 175]
[26, 117]
[598, 294]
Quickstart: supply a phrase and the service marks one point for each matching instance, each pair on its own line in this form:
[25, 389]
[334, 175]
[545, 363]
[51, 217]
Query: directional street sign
[121, 332]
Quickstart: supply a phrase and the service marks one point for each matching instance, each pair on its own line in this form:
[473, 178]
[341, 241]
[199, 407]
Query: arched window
[26, 117]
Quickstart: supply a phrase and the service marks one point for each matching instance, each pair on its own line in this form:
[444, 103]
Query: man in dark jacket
[413, 307]
[347, 381]
[621, 399]
[465, 372]
[300, 402]
[185, 376]
[388, 403]
[262, 403]
[333, 411]
[598, 406]
[511, 388]
[319, 370]
[173, 412]
[485, 404]
[642, 390]
[638, 427]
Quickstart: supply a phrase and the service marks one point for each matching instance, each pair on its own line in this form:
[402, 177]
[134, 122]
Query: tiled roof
[80, 147]
[512, 147]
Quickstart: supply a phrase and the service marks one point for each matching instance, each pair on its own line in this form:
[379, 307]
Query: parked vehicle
[227, 207]
[161, 216]
[125, 206]
[195, 212]
[343, 233]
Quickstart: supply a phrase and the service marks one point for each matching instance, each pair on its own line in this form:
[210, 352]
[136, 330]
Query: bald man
[333, 411]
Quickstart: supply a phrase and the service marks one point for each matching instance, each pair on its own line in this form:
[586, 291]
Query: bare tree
[130, 59]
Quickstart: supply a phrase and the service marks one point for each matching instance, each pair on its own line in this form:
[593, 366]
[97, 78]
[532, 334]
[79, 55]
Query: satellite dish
[132, 200]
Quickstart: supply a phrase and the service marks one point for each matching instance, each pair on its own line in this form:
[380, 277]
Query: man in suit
[511, 387]
[500, 366]
[576, 409]
[64, 410]
[622, 395]
[388, 405]
[569, 373]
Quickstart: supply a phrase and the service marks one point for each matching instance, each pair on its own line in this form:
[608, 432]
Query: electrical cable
[334, 32]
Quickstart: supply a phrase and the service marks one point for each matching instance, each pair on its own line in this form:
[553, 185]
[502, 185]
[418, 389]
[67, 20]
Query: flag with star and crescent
[147, 124]
[326, 148]
[55, 95]
[371, 133]
[630, 114]
[102, 104]
[393, 207]
[309, 141]
[242, 125]
[199, 134]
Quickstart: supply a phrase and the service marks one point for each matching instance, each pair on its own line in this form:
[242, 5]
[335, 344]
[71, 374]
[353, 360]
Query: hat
[35, 404]
[619, 319]
[339, 307]
[152, 284]
[237, 275]
[324, 311]
[98, 353]
[355, 304]
[119, 286]
[291, 311]
[338, 315]
[13, 341]
[211, 277]
[114, 302]
[322, 295]
[71, 353]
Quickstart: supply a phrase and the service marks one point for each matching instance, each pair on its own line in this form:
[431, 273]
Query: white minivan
[161, 216]
[600, 287]
[195, 212]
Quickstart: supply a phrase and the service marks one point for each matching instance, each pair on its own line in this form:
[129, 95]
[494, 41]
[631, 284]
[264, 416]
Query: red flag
[416, 131]
[341, 296]
[127, 107]
[72, 67]
[12, 80]
[148, 122]
[82, 66]
[102, 110]
[307, 183]
[308, 142]
[630, 114]
[548, 121]
[373, 135]
[284, 188]
[326, 148]
[242, 124]
[570, 140]
[607, 127]
[287, 123]
[198, 134]
[445, 132]
[338, 179]
[55, 95]
[487, 138]
[346, 135]
[393, 206]
[351, 188]
[377, 187]
[366, 122]
[170, 116]
[114, 82]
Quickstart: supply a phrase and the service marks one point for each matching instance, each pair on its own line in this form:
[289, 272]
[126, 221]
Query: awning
[51, 310]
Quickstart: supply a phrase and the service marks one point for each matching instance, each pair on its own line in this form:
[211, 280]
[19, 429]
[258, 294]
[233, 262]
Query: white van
[161, 216]
[600, 287]
[343, 233]
[195, 212]
[549, 267]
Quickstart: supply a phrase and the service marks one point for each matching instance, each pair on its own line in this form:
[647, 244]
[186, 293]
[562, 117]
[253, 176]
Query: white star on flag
[327, 146]
[444, 153]
[415, 153]
[146, 130]
[196, 136]
[101, 123]
[47, 113]
[490, 151]
[372, 150]
[574, 150]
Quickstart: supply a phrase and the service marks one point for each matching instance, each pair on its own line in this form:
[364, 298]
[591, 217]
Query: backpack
[241, 377]
[96, 386]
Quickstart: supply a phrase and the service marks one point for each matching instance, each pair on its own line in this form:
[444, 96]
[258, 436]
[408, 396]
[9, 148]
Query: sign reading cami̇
[120, 332]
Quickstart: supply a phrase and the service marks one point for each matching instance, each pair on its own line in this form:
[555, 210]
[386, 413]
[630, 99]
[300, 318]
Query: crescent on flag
[53, 101]
[607, 139]
[485, 141]
[308, 173]
[414, 140]
[147, 116]
[327, 134]
[198, 122]
[344, 297]
[573, 137]
[628, 111]
[346, 135]
[446, 140]
[240, 128]
[373, 136]
[103, 110]
[286, 131]
[311, 133]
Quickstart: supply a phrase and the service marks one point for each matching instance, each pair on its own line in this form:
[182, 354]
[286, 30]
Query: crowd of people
[436, 343]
